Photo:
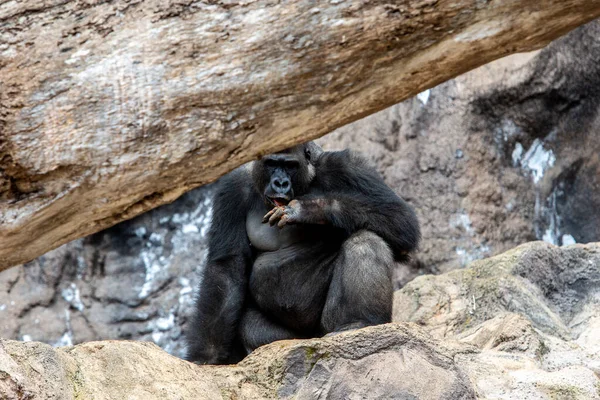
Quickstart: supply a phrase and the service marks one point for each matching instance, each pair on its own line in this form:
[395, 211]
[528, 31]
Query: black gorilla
[326, 266]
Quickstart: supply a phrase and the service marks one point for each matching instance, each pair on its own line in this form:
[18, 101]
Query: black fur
[328, 269]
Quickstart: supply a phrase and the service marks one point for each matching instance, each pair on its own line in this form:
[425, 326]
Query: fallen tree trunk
[111, 108]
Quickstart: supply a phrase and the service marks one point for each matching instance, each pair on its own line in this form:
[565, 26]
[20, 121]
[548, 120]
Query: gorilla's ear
[313, 152]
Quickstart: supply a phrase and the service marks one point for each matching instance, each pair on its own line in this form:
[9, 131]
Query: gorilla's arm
[350, 194]
[212, 332]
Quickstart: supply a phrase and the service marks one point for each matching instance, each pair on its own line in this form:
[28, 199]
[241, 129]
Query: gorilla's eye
[292, 164]
[307, 154]
[269, 163]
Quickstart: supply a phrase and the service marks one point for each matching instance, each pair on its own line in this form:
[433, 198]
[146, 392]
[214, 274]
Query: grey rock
[534, 312]
[132, 281]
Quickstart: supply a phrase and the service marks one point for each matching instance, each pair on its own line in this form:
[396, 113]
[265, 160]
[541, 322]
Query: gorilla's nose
[281, 185]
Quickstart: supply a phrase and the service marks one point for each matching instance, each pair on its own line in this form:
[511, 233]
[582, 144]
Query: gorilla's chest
[267, 238]
[292, 269]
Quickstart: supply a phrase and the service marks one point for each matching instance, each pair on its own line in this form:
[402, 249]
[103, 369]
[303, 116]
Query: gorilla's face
[282, 176]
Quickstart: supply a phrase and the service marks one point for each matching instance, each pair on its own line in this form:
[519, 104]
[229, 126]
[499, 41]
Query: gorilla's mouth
[279, 201]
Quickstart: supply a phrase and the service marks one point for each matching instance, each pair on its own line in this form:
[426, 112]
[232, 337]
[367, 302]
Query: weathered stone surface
[132, 281]
[395, 361]
[497, 375]
[547, 284]
[109, 109]
[534, 312]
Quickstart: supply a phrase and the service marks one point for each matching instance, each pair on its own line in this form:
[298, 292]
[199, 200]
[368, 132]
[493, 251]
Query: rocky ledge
[521, 325]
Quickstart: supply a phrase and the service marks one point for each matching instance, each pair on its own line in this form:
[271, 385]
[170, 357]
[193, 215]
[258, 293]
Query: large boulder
[395, 361]
[534, 313]
[553, 287]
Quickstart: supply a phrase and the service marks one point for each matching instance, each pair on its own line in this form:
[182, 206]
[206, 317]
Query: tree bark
[111, 108]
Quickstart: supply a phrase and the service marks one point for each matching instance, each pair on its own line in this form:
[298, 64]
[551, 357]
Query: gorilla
[302, 244]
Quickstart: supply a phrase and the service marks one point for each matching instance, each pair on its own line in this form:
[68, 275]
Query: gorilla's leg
[256, 330]
[361, 291]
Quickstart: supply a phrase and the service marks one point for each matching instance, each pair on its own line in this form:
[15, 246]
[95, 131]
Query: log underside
[111, 108]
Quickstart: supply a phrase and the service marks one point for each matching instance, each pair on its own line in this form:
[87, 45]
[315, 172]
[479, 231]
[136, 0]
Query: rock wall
[132, 281]
[502, 155]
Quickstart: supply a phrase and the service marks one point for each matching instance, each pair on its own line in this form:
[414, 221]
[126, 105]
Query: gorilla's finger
[268, 215]
[283, 221]
[276, 216]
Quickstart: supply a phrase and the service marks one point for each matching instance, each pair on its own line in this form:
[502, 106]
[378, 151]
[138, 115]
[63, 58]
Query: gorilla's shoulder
[236, 184]
[344, 161]
[240, 174]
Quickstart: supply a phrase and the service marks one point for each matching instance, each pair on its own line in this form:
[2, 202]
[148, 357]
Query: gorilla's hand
[299, 211]
[284, 215]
